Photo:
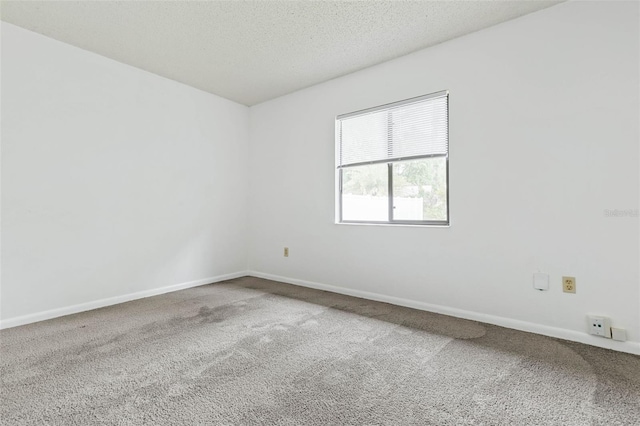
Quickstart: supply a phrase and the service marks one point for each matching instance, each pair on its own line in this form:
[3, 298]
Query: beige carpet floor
[256, 352]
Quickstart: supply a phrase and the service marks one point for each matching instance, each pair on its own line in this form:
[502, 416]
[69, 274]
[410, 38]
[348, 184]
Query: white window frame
[339, 168]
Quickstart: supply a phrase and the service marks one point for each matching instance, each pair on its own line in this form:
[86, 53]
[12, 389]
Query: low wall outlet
[599, 326]
[619, 334]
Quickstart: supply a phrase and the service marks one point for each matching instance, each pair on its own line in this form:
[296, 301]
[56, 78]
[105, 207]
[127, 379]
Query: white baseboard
[561, 333]
[74, 309]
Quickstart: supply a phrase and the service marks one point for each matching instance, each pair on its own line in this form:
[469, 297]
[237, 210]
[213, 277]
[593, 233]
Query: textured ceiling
[252, 51]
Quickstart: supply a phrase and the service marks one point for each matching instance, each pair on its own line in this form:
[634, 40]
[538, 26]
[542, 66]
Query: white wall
[114, 181]
[544, 137]
[117, 182]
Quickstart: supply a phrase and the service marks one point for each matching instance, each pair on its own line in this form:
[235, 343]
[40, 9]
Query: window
[393, 163]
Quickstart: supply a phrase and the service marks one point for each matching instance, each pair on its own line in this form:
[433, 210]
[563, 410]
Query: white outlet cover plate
[619, 334]
[541, 281]
[599, 326]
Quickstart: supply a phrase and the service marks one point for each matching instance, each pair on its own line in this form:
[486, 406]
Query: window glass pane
[420, 189]
[365, 193]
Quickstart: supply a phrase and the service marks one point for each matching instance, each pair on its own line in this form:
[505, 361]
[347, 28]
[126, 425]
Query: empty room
[320, 213]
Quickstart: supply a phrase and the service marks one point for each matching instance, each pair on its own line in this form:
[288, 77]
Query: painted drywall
[116, 183]
[543, 141]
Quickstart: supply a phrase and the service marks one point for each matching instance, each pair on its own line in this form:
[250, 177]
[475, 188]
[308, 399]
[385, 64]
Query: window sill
[393, 225]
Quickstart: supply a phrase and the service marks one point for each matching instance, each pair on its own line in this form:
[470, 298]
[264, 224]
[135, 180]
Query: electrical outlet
[599, 326]
[286, 252]
[569, 284]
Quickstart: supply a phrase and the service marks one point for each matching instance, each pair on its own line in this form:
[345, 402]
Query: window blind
[413, 128]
